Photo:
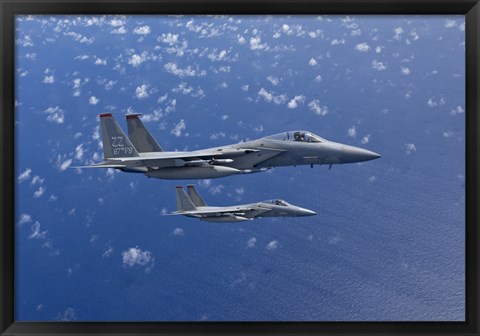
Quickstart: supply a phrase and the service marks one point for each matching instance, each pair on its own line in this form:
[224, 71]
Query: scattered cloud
[274, 80]
[292, 104]
[141, 92]
[252, 242]
[405, 71]
[134, 256]
[379, 66]
[24, 218]
[25, 175]
[398, 33]
[143, 30]
[273, 245]
[38, 193]
[433, 102]
[55, 115]
[318, 109]
[457, 110]
[136, 60]
[270, 97]
[189, 71]
[450, 23]
[409, 148]
[36, 232]
[93, 100]
[65, 164]
[178, 232]
[177, 130]
[48, 79]
[312, 62]
[362, 47]
[366, 139]
[352, 131]
[256, 44]
[68, 315]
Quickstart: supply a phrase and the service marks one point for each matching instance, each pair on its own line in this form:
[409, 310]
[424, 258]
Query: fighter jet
[192, 205]
[140, 153]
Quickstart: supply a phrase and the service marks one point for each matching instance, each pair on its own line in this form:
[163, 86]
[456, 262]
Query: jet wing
[222, 212]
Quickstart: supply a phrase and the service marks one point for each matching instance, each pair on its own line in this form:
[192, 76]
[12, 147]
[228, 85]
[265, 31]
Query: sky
[387, 243]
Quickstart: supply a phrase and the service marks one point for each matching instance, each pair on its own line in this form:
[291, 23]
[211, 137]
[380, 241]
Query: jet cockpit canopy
[300, 136]
[277, 202]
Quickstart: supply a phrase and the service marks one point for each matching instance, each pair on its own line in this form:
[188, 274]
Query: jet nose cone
[352, 154]
[306, 212]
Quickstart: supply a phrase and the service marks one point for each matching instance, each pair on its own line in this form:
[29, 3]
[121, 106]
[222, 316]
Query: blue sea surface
[388, 240]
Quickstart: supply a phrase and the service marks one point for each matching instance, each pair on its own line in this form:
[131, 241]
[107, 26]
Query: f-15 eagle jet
[140, 153]
[192, 205]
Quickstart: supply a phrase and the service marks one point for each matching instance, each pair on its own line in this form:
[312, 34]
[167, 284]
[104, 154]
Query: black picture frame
[10, 8]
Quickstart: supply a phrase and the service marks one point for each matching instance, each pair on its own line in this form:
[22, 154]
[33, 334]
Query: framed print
[222, 167]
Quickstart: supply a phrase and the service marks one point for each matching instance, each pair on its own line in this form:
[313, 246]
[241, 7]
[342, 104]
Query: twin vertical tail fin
[195, 196]
[115, 142]
[140, 136]
[184, 203]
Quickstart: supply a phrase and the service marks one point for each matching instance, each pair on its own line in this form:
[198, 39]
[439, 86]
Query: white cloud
[136, 60]
[55, 115]
[372, 178]
[169, 39]
[398, 33]
[120, 30]
[135, 256]
[256, 44]
[177, 130]
[337, 42]
[377, 65]
[410, 148]
[24, 218]
[39, 192]
[432, 102]
[100, 61]
[241, 40]
[312, 62]
[185, 72]
[272, 245]
[36, 179]
[79, 152]
[178, 232]
[366, 139]
[93, 100]
[405, 71]
[352, 132]
[65, 164]
[457, 110]
[48, 80]
[117, 22]
[292, 104]
[270, 97]
[362, 47]
[318, 109]
[217, 135]
[68, 315]
[240, 191]
[107, 252]
[36, 232]
[251, 242]
[450, 23]
[245, 87]
[215, 190]
[318, 79]
[274, 80]
[141, 92]
[25, 175]
[143, 30]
